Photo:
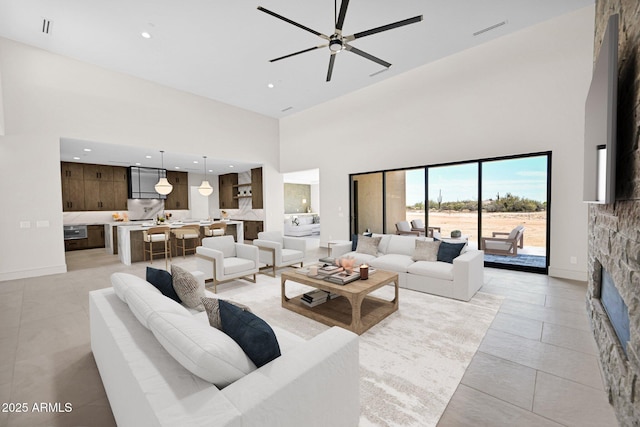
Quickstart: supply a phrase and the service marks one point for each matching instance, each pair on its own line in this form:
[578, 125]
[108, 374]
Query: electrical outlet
[42, 224]
[573, 260]
[25, 224]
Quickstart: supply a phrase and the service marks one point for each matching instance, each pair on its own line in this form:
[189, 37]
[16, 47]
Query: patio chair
[508, 245]
[418, 225]
[404, 229]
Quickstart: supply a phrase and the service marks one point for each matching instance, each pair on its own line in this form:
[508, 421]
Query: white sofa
[460, 280]
[305, 226]
[313, 383]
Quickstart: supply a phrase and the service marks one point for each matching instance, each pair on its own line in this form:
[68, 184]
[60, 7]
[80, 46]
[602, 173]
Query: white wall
[522, 93]
[47, 96]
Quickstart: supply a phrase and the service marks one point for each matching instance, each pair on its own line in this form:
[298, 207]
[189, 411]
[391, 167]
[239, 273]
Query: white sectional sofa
[459, 280]
[143, 343]
[305, 226]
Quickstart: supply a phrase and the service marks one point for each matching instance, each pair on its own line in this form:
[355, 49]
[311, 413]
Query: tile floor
[537, 365]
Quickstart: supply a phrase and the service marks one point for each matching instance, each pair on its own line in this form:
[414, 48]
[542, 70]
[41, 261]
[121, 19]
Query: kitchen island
[130, 237]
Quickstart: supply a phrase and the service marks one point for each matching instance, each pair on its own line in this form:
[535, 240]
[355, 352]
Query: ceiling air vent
[493, 27]
[46, 26]
[286, 109]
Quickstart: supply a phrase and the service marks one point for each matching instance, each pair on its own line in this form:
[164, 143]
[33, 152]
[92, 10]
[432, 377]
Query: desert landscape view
[467, 222]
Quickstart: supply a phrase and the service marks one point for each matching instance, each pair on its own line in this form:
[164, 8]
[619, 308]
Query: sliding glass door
[514, 211]
[499, 205]
[453, 200]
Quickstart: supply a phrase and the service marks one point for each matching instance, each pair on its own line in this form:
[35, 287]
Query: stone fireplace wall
[614, 230]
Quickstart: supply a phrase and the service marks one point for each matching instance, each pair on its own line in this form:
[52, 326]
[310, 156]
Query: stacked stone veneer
[614, 230]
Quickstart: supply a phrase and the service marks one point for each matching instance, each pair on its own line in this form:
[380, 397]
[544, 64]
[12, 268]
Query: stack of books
[343, 277]
[315, 297]
[328, 270]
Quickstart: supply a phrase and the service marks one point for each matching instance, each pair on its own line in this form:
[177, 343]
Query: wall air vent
[493, 27]
[46, 26]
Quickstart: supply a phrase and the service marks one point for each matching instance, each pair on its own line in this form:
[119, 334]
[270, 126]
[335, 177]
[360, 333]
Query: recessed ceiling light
[76, 158]
[87, 149]
[177, 167]
[138, 163]
[210, 170]
[145, 35]
[147, 157]
[230, 166]
[195, 161]
[270, 85]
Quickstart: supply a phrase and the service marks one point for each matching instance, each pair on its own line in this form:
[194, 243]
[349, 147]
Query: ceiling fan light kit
[338, 42]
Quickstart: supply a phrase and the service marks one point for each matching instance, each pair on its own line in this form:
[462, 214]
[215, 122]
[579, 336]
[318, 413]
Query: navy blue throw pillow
[162, 280]
[354, 242]
[448, 251]
[253, 335]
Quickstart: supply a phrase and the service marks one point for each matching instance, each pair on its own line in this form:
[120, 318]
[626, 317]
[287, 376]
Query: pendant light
[205, 188]
[163, 186]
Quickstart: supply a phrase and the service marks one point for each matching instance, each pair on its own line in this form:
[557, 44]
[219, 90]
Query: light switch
[25, 224]
[42, 223]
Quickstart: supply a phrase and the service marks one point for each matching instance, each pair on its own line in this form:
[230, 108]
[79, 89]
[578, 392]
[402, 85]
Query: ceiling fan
[337, 42]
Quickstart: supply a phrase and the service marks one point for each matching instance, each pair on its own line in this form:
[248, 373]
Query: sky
[525, 177]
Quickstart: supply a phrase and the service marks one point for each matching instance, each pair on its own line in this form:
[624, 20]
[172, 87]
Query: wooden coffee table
[354, 309]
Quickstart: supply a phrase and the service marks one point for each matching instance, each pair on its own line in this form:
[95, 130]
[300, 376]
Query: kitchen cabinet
[99, 195]
[72, 186]
[95, 236]
[179, 196]
[75, 244]
[88, 187]
[252, 228]
[98, 172]
[256, 188]
[228, 184]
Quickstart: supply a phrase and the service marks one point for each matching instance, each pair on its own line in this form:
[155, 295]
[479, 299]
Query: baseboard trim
[561, 273]
[24, 274]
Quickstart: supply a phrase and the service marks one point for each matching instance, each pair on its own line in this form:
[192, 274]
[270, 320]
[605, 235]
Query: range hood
[142, 182]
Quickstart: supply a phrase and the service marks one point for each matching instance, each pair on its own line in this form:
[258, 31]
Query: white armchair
[222, 259]
[277, 250]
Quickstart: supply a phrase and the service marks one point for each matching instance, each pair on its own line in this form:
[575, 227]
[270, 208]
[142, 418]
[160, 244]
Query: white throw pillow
[123, 281]
[204, 351]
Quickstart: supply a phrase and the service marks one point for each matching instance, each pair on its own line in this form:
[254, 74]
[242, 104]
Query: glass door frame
[480, 162]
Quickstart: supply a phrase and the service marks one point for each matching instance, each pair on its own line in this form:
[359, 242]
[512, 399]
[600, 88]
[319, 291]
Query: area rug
[410, 363]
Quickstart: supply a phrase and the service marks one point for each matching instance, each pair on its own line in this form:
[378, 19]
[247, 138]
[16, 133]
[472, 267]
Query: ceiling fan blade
[330, 71]
[298, 53]
[343, 13]
[366, 55]
[275, 15]
[384, 28]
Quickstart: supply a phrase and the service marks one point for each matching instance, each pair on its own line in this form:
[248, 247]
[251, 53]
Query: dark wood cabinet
[252, 228]
[75, 244]
[228, 184]
[99, 195]
[256, 188]
[72, 186]
[179, 196]
[98, 172]
[88, 187]
[95, 236]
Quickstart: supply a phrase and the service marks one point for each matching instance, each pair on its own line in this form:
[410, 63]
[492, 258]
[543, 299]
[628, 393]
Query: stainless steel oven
[75, 232]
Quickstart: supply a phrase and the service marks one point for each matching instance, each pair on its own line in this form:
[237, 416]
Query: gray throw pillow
[187, 288]
[212, 307]
[426, 251]
[368, 245]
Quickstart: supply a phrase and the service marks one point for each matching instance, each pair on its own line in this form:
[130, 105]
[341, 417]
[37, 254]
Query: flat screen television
[601, 121]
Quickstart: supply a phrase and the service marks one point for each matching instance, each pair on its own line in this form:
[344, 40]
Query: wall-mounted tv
[601, 121]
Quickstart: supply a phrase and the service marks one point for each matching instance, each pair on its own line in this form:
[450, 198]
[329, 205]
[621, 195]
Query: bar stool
[185, 233]
[216, 229]
[155, 235]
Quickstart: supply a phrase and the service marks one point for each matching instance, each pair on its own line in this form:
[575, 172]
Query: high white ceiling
[221, 49]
